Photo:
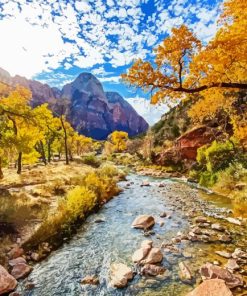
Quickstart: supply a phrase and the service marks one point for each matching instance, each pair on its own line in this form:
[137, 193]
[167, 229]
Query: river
[97, 245]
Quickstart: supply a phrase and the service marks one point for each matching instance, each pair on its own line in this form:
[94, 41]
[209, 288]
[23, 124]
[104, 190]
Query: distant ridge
[92, 111]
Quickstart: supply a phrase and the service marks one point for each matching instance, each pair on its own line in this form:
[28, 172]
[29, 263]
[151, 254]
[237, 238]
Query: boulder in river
[90, 280]
[154, 256]
[213, 287]
[210, 271]
[232, 265]
[7, 282]
[120, 275]
[217, 226]
[15, 252]
[143, 222]
[238, 253]
[233, 220]
[185, 273]
[140, 254]
[201, 219]
[16, 261]
[224, 254]
[152, 270]
[21, 270]
[145, 183]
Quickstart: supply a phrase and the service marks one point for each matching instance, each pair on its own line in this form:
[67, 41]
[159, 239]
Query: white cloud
[151, 113]
[113, 79]
[36, 40]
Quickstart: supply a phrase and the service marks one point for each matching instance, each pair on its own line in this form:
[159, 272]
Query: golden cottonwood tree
[184, 66]
[119, 140]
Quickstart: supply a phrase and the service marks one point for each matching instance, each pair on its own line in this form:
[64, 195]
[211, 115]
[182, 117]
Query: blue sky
[54, 40]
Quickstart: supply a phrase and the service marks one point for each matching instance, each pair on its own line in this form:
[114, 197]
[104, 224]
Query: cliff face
[92, 111]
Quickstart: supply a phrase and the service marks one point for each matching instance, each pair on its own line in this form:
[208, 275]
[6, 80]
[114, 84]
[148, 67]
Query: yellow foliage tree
[119, 140]
[184, 66]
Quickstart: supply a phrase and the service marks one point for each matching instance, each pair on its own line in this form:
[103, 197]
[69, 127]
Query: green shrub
[217, 156]
[91, 160]
[207, 179]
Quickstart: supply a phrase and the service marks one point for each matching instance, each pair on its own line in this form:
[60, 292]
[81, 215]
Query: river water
[97, 245]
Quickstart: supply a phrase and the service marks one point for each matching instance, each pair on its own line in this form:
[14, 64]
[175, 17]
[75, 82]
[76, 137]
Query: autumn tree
[184, 66]
[61, 110]
[22, 134]
[119, 140]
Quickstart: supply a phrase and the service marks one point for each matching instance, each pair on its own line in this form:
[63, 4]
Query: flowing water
[97, 245]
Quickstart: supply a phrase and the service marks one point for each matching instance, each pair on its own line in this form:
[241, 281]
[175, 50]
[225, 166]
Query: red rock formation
[185, 147]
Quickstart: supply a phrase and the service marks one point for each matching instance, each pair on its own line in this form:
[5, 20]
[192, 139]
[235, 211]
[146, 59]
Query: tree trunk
[49, 151]
[65, 141]
[1, 172]
[42, 151]
[19, 163]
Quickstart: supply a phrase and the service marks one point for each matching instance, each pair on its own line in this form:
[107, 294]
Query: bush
[217, 156]
[228, 179]
[91, 160]
[93, 189]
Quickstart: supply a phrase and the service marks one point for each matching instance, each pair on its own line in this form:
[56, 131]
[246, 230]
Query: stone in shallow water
[7, 281]
[217, 226]
[140, 254]
[185, 273]
[213, 287]
[152, 270]
[233, 220]
[90, 280]
[154, 256]
[143, 222]
[210, 271]
[120, 275]
[238, 253]
[15, 261]
[21, 270]
[224, 254]
[232, 265]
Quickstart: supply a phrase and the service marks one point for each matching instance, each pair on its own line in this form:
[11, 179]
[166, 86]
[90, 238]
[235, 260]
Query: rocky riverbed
[195, 236]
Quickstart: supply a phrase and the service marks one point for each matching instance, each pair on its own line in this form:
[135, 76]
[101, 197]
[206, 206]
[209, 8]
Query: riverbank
[43, 207]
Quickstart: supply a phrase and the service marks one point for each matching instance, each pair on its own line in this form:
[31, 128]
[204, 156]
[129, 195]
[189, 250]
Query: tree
[184, 66]
[61, 110]
[22, 134]
[119, 140]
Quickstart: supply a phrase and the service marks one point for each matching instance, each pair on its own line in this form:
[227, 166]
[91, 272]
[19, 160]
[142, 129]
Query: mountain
[92, 111]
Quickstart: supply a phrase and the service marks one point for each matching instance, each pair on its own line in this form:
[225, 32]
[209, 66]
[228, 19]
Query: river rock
[185, 273]
[224, 254]
[140, 254]
[15, 261]
[232, 265]
[210, 271]
[154, 256]
[225, 238]
[90, 280]
[35, 256]
[15, 252]
[163, 215]
[238, 253]
[213, 287]
[145, 183]
[7, 282]
[233, 220]
[120, 275]
[146, 243]
[143, 222]
[201, 219]
[152, 270]
[217, 226]
[20, 270]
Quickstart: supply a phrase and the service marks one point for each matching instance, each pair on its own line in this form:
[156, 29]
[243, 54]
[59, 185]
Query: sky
[53, 41]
